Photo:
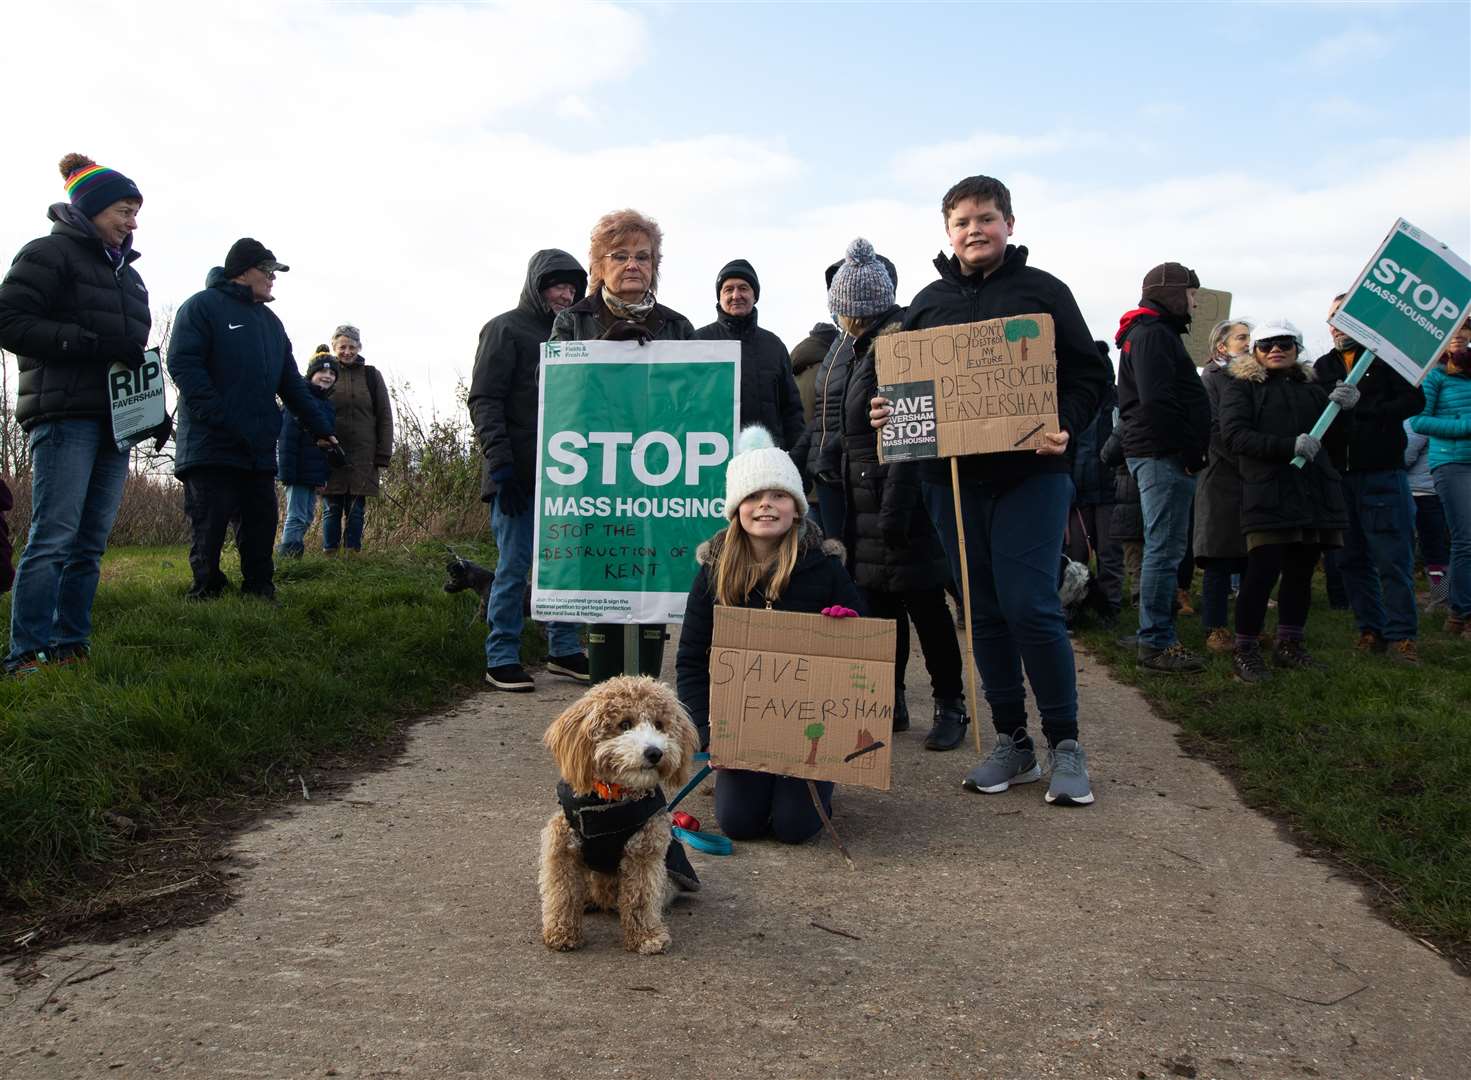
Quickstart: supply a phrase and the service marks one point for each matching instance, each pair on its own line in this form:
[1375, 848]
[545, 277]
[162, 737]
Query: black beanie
[738, 268]
[1165, 286]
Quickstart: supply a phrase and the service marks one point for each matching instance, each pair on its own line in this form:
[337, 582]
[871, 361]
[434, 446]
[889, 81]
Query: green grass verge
[183, 702]
[1369, 759]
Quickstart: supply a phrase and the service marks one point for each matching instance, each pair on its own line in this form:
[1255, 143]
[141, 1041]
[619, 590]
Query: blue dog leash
[709, 843]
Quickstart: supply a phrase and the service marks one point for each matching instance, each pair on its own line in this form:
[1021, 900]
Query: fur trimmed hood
[1249, 369]
[810, 541]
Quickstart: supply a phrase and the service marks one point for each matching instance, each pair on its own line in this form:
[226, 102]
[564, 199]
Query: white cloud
[1355, 46]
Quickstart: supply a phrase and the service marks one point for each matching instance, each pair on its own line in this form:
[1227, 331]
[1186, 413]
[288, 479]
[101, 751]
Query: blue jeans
[504, 614]
[1166, 494]
[1378, 555]
[337, 505]
[301, 508]
[1215, 592]
[77, 480]
[1013, 549]
[1453, 485]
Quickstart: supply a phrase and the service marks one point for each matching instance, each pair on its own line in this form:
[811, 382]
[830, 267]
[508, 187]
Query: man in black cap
[1165, 420]
[229, 357]
[769, 394]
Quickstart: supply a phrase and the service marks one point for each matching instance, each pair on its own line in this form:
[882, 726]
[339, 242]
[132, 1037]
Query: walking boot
[951, 721]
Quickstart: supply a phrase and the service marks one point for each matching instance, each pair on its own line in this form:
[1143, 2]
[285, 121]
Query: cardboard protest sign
[1407, 301]
[137, 400]
[630, 474]
[975, 388]
[802, 695]
[1211, 306]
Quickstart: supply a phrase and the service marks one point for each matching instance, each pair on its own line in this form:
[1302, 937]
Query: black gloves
[511, 497]
[628, 330]
[162, 433]
[120, 350]
[336, 456]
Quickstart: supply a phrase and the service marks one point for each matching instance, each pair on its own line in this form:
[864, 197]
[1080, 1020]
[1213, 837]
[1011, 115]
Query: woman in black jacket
[71, 307]
[894, 555]
[1288, 515]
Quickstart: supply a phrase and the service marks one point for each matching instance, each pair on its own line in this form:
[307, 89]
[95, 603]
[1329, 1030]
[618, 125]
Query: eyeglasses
[643, 258]
[269, 269]
[1286, 344]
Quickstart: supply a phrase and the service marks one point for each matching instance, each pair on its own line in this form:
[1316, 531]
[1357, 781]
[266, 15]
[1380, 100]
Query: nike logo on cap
[235, 326]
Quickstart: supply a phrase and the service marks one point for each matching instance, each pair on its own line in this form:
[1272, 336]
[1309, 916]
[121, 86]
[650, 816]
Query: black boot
[901, 712]
[950, 725]
[677, 864]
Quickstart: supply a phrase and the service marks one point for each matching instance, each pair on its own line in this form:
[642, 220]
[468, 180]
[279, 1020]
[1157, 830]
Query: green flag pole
[1332, 410]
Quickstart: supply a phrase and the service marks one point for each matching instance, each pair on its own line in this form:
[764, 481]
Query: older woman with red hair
[623, 274]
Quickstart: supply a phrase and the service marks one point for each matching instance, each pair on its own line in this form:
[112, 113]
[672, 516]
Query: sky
[406, 159]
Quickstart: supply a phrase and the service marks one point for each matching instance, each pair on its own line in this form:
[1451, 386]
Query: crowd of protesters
[1163, 470]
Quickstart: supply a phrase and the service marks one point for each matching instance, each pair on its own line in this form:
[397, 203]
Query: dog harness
[605, 825]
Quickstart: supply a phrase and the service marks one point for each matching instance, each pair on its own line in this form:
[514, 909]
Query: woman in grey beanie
[893, 553]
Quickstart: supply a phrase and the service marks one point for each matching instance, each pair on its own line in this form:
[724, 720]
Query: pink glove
[838, 611]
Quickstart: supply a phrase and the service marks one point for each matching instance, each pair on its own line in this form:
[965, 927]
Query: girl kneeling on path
[1288, 515]
[770, 556]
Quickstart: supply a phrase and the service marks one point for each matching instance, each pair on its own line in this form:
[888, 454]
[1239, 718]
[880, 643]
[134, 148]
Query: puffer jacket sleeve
[1441, 427]
[692, 662]
[789, 402]
[843, 590]
[35, 287]
[190, 342]
[293, 390]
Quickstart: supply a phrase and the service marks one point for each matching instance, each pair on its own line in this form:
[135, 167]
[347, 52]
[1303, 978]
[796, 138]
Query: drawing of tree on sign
[814, 733]
[1020, 330]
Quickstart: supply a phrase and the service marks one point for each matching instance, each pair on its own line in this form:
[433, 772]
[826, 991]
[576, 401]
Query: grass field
[182, 701]
[1368, 761]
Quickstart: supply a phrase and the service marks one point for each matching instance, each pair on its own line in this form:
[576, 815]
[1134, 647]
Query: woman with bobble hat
[365, 430]
[1288, 515]
[894, 555]
[772, 556]
[71, 306]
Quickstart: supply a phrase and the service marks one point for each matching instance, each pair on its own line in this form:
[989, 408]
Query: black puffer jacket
[504, 406]
[769, 394]
[818, 581]
[61, 294]
[1374, 429]
[1015, 288]
[1162, 406]
[883, 500]
[807, 355]
[1262, 414]
[1093, 482]
[1127, 522]
[299, 460]
[589, 319]
[1218, 490]
[819, 452]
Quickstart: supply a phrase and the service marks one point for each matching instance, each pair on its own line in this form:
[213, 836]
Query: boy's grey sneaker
[1007, 765]
[1176, 660]
[1069, 784]
[510, 677]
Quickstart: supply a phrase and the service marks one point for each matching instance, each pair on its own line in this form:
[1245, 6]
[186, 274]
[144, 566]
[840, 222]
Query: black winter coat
[299, 460]
[1374, 428]
[1127, 522]
[589, 319]
[807, 356]
[883, 499]
[60, 295]
[230, 358]
[1015, 288]
[1262, 414]
[1162, 406]
[1093, 482]
[769, 394]
[504, 402]
[7, 563]
[819, 453]
[818, 581]
[1218, 489]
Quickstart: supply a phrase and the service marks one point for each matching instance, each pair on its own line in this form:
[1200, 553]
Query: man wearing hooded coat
[504, 407]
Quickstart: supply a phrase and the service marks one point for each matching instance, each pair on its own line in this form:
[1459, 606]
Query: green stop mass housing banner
[630, 474]
[1407, 301]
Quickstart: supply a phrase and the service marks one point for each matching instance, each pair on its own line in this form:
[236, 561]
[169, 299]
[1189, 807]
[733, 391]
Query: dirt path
[1165, 931]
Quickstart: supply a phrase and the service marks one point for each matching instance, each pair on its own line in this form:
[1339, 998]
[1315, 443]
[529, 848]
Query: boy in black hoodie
[1015, 503]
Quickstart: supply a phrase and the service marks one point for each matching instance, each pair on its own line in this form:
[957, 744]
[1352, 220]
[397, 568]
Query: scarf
[622, 309]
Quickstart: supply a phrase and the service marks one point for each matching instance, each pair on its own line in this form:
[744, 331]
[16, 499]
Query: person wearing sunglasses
[230, 358]
[1288, 515]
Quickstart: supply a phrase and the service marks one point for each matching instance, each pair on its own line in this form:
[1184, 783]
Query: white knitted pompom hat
[758, 465]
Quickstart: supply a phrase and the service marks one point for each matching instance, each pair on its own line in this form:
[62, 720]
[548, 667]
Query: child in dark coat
[301, 465]
[770, 556]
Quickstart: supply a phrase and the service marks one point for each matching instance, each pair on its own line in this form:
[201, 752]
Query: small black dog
[463, 574]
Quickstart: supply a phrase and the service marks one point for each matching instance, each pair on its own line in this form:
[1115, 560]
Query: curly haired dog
[604, 849]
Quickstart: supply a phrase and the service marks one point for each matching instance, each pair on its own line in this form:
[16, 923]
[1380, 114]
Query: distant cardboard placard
[1211, 306]
[802, 695]
[974, 388]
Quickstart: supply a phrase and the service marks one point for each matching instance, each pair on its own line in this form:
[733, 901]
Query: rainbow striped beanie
[93, 188]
